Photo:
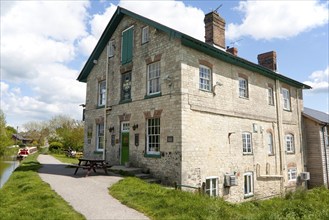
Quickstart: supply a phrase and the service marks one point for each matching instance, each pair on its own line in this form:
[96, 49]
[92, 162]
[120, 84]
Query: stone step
[152, 180]
[130, 170]
[143, 175]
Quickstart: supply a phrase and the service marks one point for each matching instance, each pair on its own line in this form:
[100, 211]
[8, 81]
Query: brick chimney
[268, 60]
[232, 50]
[214, 29]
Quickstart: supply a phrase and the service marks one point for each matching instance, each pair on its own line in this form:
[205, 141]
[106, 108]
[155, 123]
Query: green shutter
[127, 45]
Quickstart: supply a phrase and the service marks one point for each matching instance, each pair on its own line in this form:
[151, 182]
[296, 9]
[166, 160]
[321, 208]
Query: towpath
[87, 195]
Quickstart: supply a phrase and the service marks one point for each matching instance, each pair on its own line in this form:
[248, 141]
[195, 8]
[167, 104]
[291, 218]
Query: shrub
[55, 147]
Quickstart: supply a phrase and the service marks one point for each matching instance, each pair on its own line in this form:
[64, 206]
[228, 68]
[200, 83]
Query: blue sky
[44, 45]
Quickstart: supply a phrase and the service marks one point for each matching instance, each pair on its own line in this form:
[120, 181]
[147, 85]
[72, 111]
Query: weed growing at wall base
[158, 202]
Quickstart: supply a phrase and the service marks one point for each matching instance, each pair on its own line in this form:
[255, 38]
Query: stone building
[316, 136]
[192, 112]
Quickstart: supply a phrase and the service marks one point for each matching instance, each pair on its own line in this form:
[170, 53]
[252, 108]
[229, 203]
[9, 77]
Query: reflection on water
[7, 166]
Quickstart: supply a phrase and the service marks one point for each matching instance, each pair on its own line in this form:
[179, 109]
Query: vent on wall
[305, 175]
[230, 180]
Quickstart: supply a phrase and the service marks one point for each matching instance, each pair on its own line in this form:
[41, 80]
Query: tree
[5, 137]
[60, 128]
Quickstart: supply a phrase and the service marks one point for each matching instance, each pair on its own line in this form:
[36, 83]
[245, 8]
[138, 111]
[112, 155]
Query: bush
[55, 147]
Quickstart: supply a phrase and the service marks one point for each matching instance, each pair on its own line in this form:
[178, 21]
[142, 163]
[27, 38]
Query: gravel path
[87, 195]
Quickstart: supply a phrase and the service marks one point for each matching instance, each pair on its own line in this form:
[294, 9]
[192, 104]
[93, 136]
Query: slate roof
[321, 117]
[186, 40]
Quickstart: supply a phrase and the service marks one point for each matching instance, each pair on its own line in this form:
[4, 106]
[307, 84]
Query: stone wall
[213, 123]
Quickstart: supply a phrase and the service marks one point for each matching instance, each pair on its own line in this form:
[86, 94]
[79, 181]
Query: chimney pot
[268, 60]
[232, 50]
[214, 29]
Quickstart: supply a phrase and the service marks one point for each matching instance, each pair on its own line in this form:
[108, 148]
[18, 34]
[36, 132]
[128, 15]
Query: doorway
[124, 142]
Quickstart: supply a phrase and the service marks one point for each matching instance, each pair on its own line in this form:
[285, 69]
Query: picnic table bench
[90, 164]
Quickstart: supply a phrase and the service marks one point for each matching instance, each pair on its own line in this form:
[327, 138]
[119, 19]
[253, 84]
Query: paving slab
[87, 195]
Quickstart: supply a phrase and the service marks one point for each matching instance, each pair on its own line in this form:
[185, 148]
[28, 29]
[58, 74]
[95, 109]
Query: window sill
[152, 96]
[246, 154]
[248, 196]
[152, 155]
[271, 154]
[204, 90]
[98, 152]
[100, 106]
[242, 97]
[125, 101]
[290, 152]
[287, 110]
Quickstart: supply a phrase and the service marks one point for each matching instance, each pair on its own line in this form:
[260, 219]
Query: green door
[125, 143]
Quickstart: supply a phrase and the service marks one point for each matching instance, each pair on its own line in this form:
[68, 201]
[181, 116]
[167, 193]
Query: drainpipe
[105, 107]
[279, 127]
[325, 153]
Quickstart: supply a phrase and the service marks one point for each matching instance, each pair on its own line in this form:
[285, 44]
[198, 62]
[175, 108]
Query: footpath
[87, 195]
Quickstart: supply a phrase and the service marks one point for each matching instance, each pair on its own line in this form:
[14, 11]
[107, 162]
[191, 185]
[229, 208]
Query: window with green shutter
[127, 45]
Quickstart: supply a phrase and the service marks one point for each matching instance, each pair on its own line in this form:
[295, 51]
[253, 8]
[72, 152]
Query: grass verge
[64, 159]
[158, 202]
[26, 196]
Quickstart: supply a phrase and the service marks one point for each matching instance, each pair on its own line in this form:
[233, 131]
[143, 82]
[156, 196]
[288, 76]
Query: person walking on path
[87, 195]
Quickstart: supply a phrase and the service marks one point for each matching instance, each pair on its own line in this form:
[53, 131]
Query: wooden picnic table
[90, 164]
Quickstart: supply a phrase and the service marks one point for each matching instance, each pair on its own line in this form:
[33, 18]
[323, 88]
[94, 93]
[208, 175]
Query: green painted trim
[227, 57]
[152, 155]
[98, 152]
[125, 101]
[186, 41]
[152, 96]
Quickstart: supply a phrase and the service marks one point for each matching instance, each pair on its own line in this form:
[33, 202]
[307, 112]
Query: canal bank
[8, 164]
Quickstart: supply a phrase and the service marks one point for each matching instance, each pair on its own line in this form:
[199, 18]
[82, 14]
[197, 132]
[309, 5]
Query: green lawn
[64, 159]
[162, 203]
[26, 196]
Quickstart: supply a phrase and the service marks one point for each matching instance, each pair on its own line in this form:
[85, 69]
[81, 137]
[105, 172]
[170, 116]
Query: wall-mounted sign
[136, 140]
[170, 139]
[112, 140]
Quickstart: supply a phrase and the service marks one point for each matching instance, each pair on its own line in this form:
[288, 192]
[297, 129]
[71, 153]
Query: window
[243, 87]
[153, 136]
[126, 86]
[270, 96]
[270, 143]
[101, 93]
[205, 78]
[100, 137]
[111, 48]
[246, 143]
[211, 186]
[145, 34]
[248, 184]
[153, 75]
[286, 99]
[127, 45]
[290, 143]
[292, 173]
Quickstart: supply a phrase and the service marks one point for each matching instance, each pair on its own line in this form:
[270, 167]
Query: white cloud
[38, 41]
[319, 81]
[278, 19]
[174, 14]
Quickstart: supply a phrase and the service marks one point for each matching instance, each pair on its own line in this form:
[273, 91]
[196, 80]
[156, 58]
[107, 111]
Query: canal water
[7, 167]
